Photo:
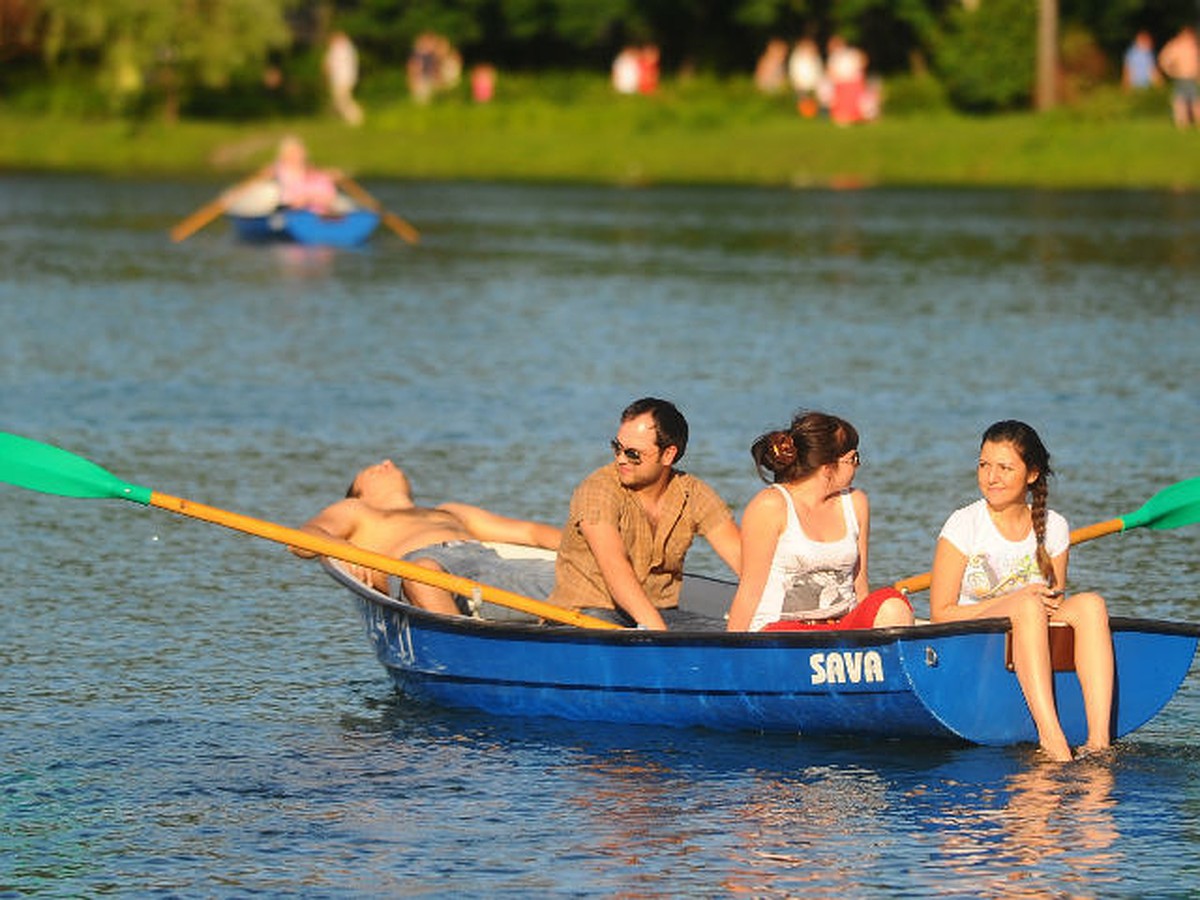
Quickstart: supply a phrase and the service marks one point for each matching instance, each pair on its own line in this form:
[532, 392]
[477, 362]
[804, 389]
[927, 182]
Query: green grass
[697, 132]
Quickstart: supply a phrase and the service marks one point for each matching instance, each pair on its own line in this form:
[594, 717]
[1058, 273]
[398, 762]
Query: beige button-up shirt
[689, 508]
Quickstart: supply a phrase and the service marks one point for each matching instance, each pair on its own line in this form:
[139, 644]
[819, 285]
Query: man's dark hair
[670, 427]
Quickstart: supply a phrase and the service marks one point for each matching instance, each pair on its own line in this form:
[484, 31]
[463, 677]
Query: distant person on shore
[1006, 555]
[632, 521]
[341, 72]
[806, 73]
[1139, 70]
[648, 60]
[846, 69]
[433, 66]
[626, 71]
[483, 83]
[378, 514]
[1180, 59]
[804, 538]
[423, 67]
[450, 65]
[770, 74]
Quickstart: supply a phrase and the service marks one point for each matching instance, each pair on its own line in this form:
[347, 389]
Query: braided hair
[1035, 456]
[814, 439]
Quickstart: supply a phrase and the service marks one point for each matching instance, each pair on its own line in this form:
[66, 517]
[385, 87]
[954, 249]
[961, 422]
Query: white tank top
[810, 580]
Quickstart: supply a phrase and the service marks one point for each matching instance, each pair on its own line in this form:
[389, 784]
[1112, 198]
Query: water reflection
[840, 828]
[770, 816]
[301, 263]
[1041, 829]
[907, 311]
[818, 829]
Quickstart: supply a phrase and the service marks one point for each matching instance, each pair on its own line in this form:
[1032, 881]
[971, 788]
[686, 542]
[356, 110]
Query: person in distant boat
[378, 514]
[1006, 555]
[804, 538]
[631, 523]
[301, 184]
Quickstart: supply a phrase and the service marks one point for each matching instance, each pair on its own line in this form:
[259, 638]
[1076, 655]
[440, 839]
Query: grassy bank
[727, 136]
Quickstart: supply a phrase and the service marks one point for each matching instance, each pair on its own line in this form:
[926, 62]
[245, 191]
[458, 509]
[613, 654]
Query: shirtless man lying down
[378, 514]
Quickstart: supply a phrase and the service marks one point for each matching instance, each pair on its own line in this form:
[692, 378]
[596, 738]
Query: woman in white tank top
[804, 538]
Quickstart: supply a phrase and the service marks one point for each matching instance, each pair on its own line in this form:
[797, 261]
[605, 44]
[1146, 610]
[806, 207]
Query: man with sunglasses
[631, 524]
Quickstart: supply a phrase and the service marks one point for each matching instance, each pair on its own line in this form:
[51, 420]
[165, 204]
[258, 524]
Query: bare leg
[1180, 109]
[427, 596]
[892, 613]
[1088, 615]
[1031, 658]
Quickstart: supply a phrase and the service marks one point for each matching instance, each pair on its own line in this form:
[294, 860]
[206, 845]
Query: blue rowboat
[304, 227]
[948, 681]
[257, 217]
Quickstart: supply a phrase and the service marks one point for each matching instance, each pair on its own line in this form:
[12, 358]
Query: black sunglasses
[630, 453]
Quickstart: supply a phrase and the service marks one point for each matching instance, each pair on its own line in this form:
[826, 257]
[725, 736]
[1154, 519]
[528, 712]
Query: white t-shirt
[996, 565]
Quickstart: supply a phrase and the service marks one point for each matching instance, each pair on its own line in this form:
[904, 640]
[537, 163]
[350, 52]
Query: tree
[137, 45]
[1047, 54]
[986, 55]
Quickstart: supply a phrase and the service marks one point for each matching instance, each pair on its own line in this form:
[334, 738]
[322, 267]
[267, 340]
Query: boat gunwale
[557, 633]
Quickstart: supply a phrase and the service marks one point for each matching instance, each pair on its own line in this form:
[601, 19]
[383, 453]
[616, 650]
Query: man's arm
[726, 539]
[622, 582]
[336, 522]
[487, 526]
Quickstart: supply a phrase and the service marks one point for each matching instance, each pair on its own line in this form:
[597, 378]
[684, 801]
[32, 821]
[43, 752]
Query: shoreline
[615, 145]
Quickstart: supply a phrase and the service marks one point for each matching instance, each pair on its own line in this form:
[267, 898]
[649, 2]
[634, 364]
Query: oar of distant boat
[210, 211]
[406, 231]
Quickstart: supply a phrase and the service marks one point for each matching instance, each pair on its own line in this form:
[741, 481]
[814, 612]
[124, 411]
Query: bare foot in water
[1057, 752]
[1090, 751]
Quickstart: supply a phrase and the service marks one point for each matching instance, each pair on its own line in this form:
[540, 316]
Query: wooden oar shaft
[198, 220]
[327, 547]
[406, 231]
[210, 211]
[1078, 536]
[915, 584]
[1100, 529]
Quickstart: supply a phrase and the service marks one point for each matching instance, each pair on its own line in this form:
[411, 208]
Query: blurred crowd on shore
[832, 82]
[635, 70]
[836, 85]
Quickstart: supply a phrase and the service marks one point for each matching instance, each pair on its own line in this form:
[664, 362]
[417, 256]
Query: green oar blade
[1172, 507]
[42, 467]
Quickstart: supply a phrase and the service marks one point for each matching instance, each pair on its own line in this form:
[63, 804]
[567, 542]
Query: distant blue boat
[257, 217]
[948, 681]
[305, 227]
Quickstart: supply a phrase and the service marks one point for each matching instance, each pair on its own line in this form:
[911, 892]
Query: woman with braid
[804, 538]
[1005, 555]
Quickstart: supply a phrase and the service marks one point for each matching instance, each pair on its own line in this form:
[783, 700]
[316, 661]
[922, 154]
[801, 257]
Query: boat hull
[304, 227]
[946, 681]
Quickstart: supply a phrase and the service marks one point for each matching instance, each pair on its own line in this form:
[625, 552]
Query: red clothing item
[648, 72]
[862, 616]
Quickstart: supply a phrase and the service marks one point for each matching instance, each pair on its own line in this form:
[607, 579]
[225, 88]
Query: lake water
[191, 712]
